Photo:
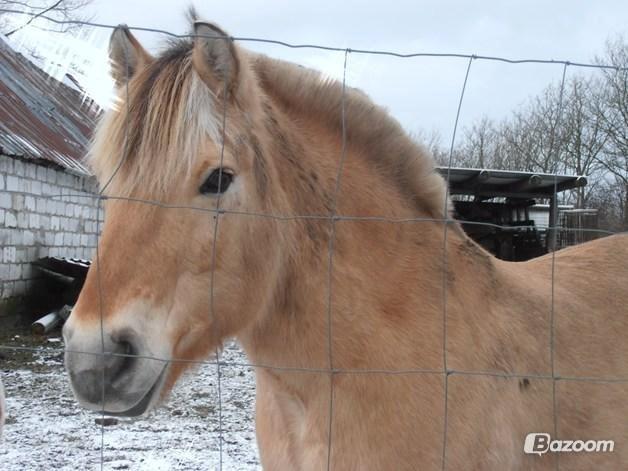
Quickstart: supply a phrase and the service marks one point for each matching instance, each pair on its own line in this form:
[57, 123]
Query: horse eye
[217, 182]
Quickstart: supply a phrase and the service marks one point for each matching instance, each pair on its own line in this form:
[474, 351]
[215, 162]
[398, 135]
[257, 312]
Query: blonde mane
[153, 133]
[171, 112]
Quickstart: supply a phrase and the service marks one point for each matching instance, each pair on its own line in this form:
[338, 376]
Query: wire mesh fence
[333, 218]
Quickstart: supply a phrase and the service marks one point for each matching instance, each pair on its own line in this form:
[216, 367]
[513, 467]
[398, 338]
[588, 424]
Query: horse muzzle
[113, 373]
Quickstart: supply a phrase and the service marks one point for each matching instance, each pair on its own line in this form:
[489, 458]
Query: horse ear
[126, 54]
[215, 57]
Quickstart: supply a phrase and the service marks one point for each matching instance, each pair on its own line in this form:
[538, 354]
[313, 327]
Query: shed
[494, 207]
[47, 203]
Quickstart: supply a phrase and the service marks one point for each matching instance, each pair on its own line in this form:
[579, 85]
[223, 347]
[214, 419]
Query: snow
[46, 429]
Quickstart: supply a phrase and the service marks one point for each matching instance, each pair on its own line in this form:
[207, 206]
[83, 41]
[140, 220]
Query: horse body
[498, 321]
[383, 385]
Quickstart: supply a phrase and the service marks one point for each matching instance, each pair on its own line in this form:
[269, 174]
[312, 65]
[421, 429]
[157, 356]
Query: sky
[423, 93]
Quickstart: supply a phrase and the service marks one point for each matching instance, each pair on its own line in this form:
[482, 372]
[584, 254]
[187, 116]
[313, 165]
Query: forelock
[153, 133]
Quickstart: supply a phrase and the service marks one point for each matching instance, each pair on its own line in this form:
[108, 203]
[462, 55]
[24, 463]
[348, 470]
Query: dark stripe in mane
[162, 70]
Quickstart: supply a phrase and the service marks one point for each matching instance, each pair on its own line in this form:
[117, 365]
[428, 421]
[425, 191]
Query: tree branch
[34, 17]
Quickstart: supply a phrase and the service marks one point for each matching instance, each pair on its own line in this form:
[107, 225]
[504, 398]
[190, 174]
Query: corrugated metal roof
[40, 117]
[507, 183]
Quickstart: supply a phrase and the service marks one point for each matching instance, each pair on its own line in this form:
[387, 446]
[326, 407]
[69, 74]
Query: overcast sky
[421, 92]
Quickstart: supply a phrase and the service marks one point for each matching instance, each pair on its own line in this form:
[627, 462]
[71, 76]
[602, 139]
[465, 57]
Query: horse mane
[368, 127]
[160, 119]
[148, 125]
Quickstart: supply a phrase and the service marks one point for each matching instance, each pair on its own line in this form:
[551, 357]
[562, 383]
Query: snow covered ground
[47, 430]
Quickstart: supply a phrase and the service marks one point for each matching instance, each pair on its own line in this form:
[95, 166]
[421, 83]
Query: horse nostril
[123, 359]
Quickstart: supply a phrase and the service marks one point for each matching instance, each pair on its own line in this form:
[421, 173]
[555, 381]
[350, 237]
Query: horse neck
[386, 278]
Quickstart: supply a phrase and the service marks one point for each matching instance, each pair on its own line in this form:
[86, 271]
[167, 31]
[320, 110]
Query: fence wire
[445, 227]
[552, 235]
[333, 219]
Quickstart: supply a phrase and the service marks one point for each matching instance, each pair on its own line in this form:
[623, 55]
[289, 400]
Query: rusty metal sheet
[40, 117]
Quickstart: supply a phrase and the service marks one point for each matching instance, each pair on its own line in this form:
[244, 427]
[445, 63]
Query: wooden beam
[553, 219]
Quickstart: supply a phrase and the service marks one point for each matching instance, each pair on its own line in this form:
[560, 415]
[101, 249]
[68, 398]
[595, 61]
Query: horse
[252, 199]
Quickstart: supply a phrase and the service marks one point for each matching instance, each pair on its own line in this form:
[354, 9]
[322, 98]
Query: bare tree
[61, 10]
[478, 147]
[612, 110]
[529, 140]
[608, 196]
[583, 136]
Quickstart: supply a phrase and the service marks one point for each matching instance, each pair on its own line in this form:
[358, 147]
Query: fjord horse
[410, 347]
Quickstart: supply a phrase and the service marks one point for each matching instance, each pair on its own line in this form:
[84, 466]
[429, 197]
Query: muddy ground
[46, 429]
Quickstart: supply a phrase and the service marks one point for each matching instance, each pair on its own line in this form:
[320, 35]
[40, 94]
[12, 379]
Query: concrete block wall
[33, 224]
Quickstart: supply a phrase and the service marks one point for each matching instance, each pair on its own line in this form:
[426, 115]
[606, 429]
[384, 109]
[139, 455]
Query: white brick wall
[34, 225]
